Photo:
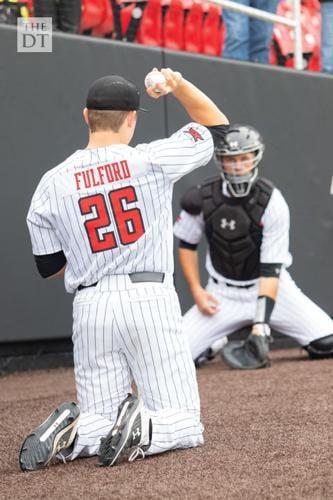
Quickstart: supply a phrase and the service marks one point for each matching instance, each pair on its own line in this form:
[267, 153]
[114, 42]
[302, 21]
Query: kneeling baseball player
[246, 223]
[103, 220]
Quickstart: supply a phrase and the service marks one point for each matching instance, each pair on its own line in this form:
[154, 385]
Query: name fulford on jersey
[103, 174]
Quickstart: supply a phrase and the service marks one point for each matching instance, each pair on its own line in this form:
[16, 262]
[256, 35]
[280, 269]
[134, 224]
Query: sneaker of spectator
[10, 10]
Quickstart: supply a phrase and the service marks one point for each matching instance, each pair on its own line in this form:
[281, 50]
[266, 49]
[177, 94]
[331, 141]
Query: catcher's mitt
[249, 354]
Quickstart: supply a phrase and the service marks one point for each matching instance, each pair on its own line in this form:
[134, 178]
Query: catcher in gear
[245, 220]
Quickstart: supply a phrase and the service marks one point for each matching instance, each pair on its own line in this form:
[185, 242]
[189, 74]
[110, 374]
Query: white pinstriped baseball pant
[294, 315]
[124, 331]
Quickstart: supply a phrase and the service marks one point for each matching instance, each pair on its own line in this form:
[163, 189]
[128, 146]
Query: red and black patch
[195, 134]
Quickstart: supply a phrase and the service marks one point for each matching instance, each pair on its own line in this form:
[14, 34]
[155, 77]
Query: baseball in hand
[153, 78]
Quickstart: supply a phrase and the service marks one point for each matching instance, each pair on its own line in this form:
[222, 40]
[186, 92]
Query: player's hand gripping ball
[153, 78]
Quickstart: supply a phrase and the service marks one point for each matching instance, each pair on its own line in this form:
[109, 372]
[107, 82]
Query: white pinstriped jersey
[109, 209]
[275, 240]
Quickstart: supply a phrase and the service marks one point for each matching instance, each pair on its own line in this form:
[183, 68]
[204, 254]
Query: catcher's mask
[238, 156]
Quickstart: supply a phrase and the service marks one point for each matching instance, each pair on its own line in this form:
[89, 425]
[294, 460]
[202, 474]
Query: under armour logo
[136, 433]
[194, 133]
[228, 224]
[233, 144]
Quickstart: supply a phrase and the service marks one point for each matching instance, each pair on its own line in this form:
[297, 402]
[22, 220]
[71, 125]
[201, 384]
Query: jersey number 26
[128, 221]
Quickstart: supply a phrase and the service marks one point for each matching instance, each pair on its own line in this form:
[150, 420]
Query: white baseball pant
[294, 315]
[124, 331]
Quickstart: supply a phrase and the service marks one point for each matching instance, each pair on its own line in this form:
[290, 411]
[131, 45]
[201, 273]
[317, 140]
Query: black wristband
[270, 270]
[188, 246]
[265, 306]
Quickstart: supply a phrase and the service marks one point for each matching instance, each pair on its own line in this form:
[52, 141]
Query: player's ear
[131, 118]
[85, 116]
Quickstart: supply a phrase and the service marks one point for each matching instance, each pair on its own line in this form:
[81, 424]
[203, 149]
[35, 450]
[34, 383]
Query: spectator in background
[247, 38]
[10, 11]
[66, 14]
[326, 9]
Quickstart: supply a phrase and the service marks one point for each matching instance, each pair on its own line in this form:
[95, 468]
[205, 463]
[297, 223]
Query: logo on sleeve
[195, 134]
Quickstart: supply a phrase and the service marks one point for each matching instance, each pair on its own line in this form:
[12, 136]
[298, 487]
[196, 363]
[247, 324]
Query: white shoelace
[61, 457]
[136, 453]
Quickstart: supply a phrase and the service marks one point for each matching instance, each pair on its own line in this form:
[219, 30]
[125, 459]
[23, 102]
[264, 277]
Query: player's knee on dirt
[320, 348]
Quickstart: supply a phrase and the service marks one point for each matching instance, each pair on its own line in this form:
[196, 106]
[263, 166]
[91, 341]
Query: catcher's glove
[249, 354]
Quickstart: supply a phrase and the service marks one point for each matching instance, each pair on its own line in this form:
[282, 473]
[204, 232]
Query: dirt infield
[269, 435]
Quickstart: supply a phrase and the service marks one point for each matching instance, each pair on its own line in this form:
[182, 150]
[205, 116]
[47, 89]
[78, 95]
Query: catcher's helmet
[240, 140]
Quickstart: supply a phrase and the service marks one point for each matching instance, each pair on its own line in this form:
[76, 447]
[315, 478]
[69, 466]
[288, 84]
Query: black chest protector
[233, 228]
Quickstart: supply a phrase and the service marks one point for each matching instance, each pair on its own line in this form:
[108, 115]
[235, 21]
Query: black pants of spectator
[65, 14]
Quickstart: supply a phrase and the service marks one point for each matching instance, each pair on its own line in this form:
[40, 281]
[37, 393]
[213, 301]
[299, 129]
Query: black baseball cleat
[56, 433]
[131, 435]
[210, 353]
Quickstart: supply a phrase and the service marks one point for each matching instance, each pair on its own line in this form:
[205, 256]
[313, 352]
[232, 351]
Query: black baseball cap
[113, 92]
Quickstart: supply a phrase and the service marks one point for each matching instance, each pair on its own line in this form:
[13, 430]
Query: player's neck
[106, 138]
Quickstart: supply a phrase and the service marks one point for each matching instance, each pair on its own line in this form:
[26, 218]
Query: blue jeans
[326, 9]
[247, 38]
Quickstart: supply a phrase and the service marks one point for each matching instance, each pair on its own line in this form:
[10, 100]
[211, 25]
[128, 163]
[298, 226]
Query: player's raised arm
[198, 105]
[192, 146]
